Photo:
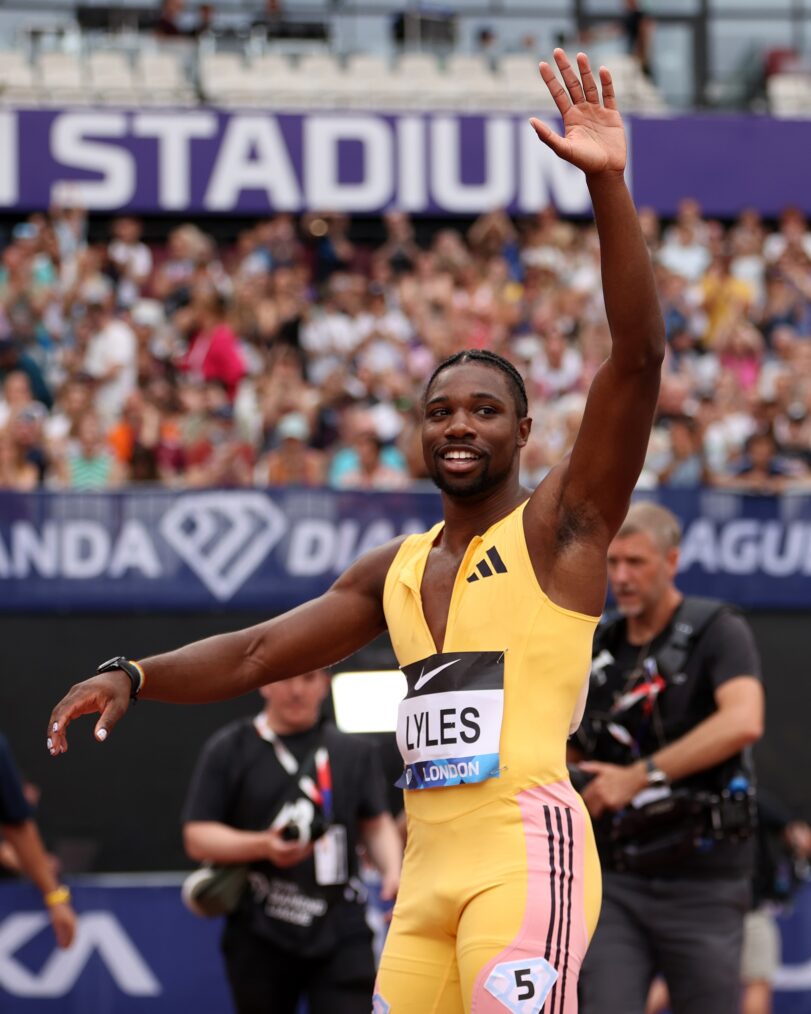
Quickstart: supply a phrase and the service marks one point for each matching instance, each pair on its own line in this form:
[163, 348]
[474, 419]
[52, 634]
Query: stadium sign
[200, 161]
[255, 162]
[272, 549]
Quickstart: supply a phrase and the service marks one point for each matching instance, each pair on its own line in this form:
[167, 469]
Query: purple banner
[205, 161]
[726, 162]
[252, 162]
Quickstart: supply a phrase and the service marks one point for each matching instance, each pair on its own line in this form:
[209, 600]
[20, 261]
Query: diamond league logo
[223, 537]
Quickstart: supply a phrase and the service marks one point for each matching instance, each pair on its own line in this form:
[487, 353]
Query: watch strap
[655, 774]
[133, 670]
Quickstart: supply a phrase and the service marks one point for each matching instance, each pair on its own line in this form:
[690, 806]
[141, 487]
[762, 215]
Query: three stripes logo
[485, 569]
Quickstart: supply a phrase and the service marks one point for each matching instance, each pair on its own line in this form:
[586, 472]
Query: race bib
[449, 722]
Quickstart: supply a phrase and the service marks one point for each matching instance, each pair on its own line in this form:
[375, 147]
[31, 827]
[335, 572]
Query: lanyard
[318, 792]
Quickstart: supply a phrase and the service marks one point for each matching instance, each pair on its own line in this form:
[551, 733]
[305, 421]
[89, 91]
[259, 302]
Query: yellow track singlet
[501, 881]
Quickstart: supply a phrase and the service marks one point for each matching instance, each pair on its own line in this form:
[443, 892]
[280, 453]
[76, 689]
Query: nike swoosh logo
[425, 676]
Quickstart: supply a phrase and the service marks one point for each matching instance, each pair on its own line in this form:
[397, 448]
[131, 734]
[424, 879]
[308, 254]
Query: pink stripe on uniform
[554, 926]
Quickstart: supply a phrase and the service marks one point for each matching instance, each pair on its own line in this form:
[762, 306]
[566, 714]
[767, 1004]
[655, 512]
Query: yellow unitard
[501, 882]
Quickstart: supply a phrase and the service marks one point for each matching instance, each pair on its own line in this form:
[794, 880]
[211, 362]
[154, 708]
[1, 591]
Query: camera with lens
[300, 821]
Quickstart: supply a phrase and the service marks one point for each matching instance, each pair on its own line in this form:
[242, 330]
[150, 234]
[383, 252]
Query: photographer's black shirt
[724, 650]
[239, 781]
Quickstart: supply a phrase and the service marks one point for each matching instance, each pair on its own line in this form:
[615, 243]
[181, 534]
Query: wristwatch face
[111, 663]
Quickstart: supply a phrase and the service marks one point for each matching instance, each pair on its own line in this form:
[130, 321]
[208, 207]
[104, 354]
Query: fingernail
[49, 742]
[55, 727]
[101, 734]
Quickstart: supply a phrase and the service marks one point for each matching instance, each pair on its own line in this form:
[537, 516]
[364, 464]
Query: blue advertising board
[138, 951]
[253, 162]
[270, 550]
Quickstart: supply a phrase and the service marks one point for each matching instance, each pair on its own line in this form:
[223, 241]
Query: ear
[524, 428]
[672, 560]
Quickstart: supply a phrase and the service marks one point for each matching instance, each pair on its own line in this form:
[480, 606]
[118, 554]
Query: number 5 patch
[522, 986]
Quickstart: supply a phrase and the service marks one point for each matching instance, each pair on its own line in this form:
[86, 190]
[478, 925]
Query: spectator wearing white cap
[292, 462]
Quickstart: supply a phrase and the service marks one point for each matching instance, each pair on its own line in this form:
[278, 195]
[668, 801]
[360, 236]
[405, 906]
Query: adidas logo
[484, 568]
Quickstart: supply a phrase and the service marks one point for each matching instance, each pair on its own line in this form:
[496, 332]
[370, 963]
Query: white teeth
[459, 456]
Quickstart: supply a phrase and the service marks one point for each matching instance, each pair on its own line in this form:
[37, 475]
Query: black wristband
[131, 669]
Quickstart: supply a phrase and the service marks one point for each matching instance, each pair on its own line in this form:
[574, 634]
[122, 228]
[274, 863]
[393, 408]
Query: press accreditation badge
[331, 859]
[449, 722]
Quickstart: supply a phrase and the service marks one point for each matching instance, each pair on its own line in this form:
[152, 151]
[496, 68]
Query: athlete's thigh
[418, 972]
[523, 938]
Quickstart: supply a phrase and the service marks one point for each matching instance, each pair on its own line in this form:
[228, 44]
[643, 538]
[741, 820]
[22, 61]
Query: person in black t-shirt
[294, 797]
[675, 701]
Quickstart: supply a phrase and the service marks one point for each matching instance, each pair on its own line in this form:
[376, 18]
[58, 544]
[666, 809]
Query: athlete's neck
[466, 517]
[642, 629]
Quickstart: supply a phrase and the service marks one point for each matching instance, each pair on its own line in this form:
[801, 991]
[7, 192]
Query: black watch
[125, 665]
[655, 774]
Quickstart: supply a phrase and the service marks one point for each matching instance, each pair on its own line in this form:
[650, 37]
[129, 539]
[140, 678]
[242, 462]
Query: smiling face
[471, 433]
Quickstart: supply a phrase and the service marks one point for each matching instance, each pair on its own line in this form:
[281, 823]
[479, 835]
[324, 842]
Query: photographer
[675, 700]
[292, 796]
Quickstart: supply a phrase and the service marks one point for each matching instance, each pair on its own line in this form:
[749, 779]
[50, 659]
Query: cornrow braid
[486, 359]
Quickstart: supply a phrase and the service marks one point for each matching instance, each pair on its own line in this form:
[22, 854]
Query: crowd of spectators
[297, 356]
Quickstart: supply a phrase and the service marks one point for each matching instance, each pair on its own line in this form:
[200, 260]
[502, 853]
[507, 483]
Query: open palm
[594, 138]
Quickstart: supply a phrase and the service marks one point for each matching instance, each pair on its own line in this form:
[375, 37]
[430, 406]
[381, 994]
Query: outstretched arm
[309, 637]
[597, 481]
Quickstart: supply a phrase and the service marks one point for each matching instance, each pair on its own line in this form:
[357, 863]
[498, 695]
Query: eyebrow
[476, 396]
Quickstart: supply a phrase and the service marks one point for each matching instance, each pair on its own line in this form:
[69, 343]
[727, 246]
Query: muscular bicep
[311, 636]
[610, 448]
[330, 627]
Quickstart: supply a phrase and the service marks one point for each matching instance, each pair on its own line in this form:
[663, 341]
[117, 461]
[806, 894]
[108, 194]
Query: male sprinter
[491, 614]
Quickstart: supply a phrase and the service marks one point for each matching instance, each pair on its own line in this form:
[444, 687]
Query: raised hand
[594, 138]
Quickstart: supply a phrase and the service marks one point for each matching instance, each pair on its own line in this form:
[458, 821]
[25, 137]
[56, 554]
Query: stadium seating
[17, 80]
[252, 74]
[789, 95]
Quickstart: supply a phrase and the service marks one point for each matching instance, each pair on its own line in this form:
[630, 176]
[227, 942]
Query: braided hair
[486, 359]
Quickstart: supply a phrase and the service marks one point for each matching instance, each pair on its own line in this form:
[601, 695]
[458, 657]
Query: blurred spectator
[557, 367]
[727, 299]
[131, 259]
[16, 471]
[213, 352]
[13, 360]
[638, 27]
[110, 357]
[293, 462]
[218, 457]
[89, 464]
[333, 250]
[371, 471]
[171, 23]
[684, 465]
[761, 469]
[23, 840]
